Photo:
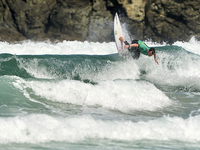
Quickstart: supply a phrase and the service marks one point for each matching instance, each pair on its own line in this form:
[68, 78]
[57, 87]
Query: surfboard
[118, 33]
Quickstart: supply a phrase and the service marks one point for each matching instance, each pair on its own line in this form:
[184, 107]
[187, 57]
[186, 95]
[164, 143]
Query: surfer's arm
[134, 45]
[155, 58]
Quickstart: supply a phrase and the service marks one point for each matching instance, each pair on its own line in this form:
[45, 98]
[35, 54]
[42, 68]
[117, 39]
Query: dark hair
[153, 50]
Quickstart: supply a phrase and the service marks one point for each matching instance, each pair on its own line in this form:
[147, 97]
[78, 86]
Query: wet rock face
[25, 18]
[69, 19]
[173, 19]
[160, 20]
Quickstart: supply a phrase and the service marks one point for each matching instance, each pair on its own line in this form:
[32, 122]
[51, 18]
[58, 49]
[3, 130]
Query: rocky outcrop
[21, 19]
[69, 20]
[173, 20]
[92, 20]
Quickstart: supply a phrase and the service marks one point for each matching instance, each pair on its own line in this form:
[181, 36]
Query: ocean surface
[83, 95]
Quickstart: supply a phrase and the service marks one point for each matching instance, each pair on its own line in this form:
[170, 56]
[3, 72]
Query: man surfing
[137, 47]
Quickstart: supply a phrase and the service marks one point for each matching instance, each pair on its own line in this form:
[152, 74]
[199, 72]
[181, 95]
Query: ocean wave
[126, 96]
[44, 128]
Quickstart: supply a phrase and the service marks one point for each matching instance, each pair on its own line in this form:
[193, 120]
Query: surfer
[138, 47]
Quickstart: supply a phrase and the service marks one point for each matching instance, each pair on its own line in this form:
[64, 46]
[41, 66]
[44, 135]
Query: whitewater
[84, 95]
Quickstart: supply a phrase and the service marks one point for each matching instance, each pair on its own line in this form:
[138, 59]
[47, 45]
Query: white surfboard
[118, 33]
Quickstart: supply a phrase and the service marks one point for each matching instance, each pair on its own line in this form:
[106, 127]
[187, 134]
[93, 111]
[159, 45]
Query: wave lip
[191, 46]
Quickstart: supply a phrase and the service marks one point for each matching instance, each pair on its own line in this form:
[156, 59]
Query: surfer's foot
[122, 39]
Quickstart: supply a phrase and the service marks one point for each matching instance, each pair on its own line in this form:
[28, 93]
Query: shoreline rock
[92, 20]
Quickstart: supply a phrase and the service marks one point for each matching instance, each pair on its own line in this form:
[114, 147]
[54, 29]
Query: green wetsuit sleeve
[143, 48]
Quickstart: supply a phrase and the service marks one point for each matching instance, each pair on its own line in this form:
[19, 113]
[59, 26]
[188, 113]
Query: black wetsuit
[134, 50]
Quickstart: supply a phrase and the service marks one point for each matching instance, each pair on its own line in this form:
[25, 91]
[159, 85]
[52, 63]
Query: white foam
[77, 47]
[62, 48]
[172, 70]
[128, 37]
[122, 95]
[44, 128]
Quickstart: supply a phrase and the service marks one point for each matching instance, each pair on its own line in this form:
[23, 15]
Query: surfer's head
[151, 51]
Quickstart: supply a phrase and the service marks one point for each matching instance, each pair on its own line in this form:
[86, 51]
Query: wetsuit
[143, 48]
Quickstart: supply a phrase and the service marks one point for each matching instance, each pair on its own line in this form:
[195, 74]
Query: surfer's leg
[121, 39]
[134, 42]
[125, 42]
[135, 50]
[136, 53]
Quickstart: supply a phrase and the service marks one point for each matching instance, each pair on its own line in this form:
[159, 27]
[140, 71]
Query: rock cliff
[92, 20]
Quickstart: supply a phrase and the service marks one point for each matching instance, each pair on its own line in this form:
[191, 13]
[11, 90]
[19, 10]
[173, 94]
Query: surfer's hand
[156, 61]
[126, 46]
